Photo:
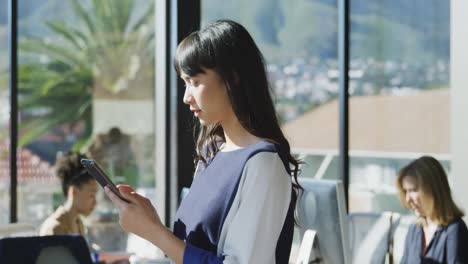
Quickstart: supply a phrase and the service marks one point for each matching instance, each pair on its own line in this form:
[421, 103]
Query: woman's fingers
[133, 197]
[119, 203]
[136, 216]
[127, 193]
[125, 188]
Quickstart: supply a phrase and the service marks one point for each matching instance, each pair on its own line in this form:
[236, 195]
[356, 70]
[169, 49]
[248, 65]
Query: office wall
[459, 97]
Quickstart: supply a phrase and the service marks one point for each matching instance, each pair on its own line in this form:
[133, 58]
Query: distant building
[385, 132]
[30, 167]
[410, 123]
[36, 185]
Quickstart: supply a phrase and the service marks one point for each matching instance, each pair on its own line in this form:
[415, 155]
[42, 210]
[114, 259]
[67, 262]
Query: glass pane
[458, 105]
[399, 88]
[299, 42]
[4, 117]
[86, 83]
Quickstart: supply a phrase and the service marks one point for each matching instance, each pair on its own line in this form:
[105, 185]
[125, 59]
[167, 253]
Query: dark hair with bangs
[226, 47]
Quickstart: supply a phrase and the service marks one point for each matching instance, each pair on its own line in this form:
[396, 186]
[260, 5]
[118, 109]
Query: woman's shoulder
[262, 145]
[54, 224]
[457, 231]
[264, 158]
[264, 153]
[250, 151]
[265, 148]
[268, 167]
[414, 229]
[457, 226]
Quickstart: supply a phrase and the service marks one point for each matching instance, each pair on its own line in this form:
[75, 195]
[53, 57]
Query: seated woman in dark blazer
[440, 235]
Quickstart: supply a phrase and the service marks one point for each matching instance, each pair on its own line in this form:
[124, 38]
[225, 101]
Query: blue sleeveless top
[200, 219]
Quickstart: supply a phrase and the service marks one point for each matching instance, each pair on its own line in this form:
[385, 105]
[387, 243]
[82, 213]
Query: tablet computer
[93, 168]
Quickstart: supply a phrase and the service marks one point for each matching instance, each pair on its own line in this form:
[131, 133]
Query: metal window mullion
[343, 57]
[13, 86]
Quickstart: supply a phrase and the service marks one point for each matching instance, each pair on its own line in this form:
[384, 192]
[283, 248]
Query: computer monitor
[45, 249]
[322, 207]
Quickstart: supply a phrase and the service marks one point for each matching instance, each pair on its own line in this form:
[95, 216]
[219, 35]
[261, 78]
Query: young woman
[240, 208]
[440, 236]
[79, 189]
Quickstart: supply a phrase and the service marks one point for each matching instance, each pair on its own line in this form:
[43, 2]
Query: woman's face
[84, 197]
[207, 97]
[413, 195]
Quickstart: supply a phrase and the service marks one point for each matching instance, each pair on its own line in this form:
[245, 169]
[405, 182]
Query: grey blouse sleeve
[457, 244]
[253, 225]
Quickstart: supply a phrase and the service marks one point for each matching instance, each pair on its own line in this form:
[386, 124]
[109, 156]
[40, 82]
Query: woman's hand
[139, 216]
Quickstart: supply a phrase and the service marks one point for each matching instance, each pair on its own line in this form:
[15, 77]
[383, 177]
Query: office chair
[308, 251]
[46, 249]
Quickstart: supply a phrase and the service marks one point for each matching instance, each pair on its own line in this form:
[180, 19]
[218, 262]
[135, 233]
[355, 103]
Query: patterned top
[448, 245]
[240, 208]
[60, 222]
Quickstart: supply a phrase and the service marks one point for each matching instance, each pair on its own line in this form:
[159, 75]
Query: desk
[136, 260]
[126, 258]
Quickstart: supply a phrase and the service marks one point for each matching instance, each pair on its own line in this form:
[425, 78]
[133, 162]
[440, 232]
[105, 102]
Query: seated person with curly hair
[79, 189]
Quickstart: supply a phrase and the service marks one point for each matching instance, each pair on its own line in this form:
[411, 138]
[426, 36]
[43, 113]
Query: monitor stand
[309, 252]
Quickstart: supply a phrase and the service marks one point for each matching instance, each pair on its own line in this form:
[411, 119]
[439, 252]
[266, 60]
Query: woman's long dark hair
[227, 48]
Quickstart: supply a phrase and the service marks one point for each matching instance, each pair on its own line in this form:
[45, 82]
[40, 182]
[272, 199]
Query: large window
[85, 83]
[398, 85]
[459, 97]
[299, 42]
[399, 76]
[399, 94]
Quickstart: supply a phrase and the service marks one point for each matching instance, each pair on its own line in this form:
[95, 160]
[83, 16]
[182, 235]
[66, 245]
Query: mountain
[399, 30]
[417, 30]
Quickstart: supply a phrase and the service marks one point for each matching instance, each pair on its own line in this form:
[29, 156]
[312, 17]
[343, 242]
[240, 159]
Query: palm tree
[107, 52]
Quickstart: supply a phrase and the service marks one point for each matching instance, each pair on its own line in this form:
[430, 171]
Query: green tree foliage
[107, 51]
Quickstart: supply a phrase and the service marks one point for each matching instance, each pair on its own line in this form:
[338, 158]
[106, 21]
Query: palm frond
[41, 125]
[144, 19]
[83, 15]
[55, 51]
[105, 38]
[60, 28]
